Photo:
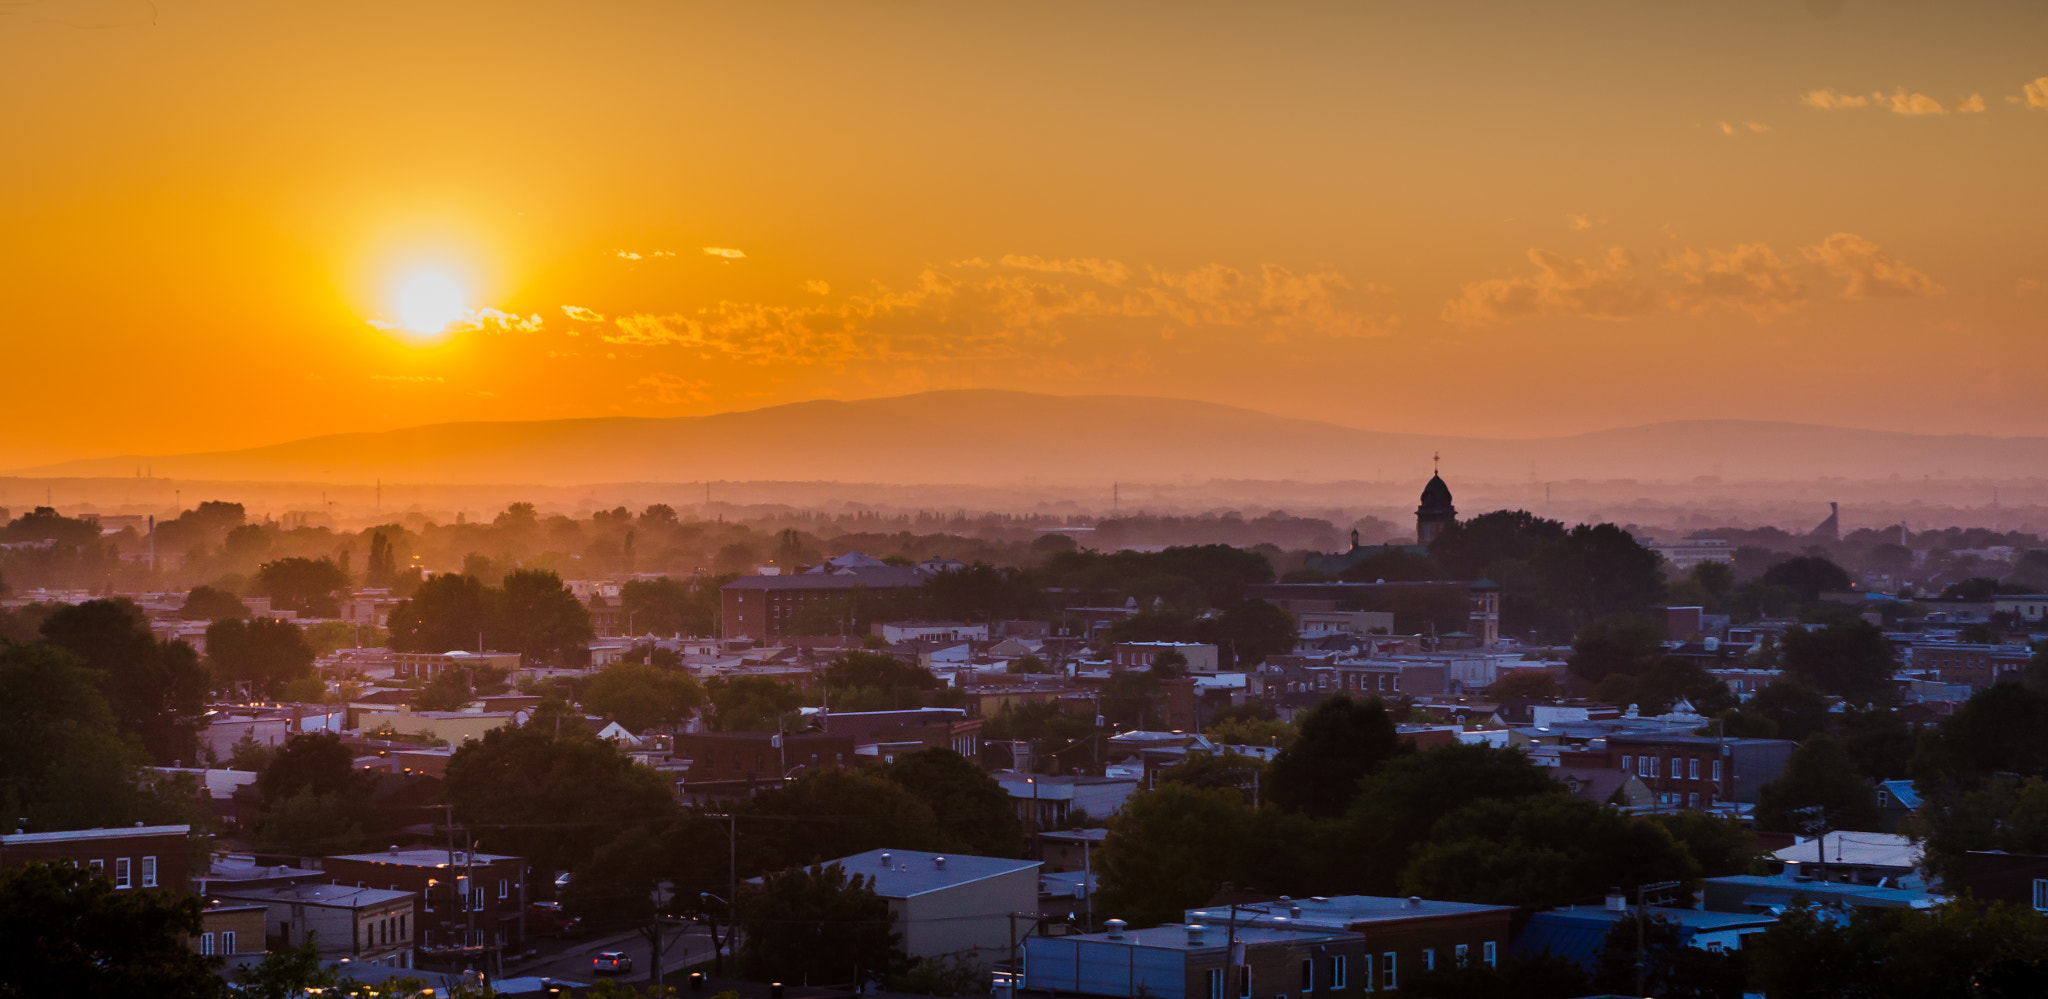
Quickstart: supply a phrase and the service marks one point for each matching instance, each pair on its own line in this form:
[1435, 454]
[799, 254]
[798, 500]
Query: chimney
[1194, 934]
[1294, 912]
[1115, 928]
[885, 861]
[1616, 901]
[939, 863]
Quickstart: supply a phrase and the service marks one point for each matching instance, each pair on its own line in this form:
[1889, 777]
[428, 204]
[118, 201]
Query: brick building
[727, 756]
[131, 857]
[1974, 666]
[1699, 771]
[770, 608]
[1401, 936]
[464, 905]
[1193, 962]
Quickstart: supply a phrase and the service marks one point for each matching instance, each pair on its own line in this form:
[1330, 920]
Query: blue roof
[1904, 791]
[1577, 934]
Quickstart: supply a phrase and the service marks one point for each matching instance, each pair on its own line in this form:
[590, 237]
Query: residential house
[1699, 771]
[951, 905]
[363, 924]
[463, 903]
[1049, 801]
[1402, 936]
[132, 857]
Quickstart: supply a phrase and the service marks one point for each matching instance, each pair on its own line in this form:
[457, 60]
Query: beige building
[364, 924]
[453, 727]
[949, 905]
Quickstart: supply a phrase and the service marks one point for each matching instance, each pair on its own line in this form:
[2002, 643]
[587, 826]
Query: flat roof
[1341, 911]
[910, 873]
[421, 858]
[1172, 937]
[333, 896]
[79, 835]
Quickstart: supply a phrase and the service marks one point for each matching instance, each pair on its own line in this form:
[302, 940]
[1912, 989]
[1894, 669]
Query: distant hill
[975, 436]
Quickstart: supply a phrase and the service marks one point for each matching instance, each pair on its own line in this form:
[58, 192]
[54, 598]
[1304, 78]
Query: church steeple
[1436, 510]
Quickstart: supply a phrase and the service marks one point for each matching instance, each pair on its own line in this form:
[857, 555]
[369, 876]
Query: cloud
[1611, 288]
[670, 388]
[2037, 93]
[1973, 104]
[1726, 129]
[492, 320]
[947, 315]
[817, 287]
[1872, 273]
[1751, 278]
[1905, 103]
[726, 252]
[409, 379]
[1105, 271]
[650, 255]
[1756, 126]
[1579, 223]
[581, 314]
[1827, 100]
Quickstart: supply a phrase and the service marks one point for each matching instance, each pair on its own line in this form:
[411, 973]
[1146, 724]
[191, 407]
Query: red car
[548, 918]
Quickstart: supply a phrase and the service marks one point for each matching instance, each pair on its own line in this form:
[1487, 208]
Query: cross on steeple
[1436, 463]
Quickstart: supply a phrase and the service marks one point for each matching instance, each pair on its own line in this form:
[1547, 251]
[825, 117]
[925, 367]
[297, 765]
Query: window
[1387, 978]
[1692, 769]
[1308, 974]
[1486, 953]
[1337, 972]
[2041, 894]
[1429, 959]
[476, 899]
[149, 872]
[1215, 977]
[96, 866]
[1717, 770]
[1460, 955]
[504, 888]
[120, 872]
[401, 934]
[427, 897]
[227, 941]
[1244, 981]
[1368, 972]
[1627, 762]
[206, 944]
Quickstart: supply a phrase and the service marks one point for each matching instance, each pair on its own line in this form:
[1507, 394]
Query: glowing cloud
[1827, 100]
[1872, 273]
[1612, 289]
[653, 254]
[1973, 104]
[726, 252]
[1905, 103]
[2037, 93]
[581, 314]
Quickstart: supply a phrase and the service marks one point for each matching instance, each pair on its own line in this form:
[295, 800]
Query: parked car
[548, 918]
[611, 962]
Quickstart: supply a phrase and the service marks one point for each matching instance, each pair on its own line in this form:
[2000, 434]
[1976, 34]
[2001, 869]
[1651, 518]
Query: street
[570, 959]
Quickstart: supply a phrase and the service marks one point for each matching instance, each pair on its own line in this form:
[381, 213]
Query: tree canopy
[68, 932]
[1340, 741]
[157, 689]
[265, 653]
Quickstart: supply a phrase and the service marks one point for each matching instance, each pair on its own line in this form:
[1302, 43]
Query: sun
[428, 302]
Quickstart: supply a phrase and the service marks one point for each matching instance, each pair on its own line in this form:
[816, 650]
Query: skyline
[1481, 221]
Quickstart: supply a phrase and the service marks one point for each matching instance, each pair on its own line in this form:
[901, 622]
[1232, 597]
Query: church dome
[1436, 495]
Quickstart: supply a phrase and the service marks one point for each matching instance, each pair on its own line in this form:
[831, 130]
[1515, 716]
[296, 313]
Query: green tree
[306, 585]
[538, 617]
[1720, 845]
[64, 763]
[641, 697]
[1879, 741]
[1540, 851]
[156, 689]
[1808, 576]
[1394, 812]
[447, 612]
[204, 603]
[1852, 659]
[1960, 950]
[1672, 968]
[1624, 645]
[553, 800]
[748, 703]
[1531, 685]
[1249, 632]
[264, 653]
[1341, 742]
[1598, 571]
[1819, 775]
[1792, 706]
[835, 813]
[973, 811]
[69, 932]
[819, 925]
[287, 974]
[1169, 850]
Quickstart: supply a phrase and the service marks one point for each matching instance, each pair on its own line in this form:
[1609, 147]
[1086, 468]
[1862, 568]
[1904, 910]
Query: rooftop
[1339, 912]
[334, 896]
[422, 858]
[908, 873]
[1858, 849]
[81, 835]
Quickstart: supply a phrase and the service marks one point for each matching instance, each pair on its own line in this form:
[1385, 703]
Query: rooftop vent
[939, 862]
[1616, 901]
[1414, 901]
[1294, 912]
[1194, 934]
[1115, 928]
[885, 861]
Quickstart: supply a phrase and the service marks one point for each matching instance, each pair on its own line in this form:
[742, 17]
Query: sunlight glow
[428, 302]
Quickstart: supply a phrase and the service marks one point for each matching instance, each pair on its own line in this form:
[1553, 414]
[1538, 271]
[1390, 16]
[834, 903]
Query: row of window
[458, 891]
[227, 943]
[1336, 971]
[123, 871]
[381, 932]
[1674, 768]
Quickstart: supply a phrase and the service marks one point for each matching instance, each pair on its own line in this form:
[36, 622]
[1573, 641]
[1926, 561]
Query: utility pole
[1642, 927]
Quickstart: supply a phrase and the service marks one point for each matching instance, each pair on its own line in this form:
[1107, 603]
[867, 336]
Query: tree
[69, 932]
[835, 813]
[381, 567]
[1879, 741]
[974, 812]
[1793, 707]
[1852, 659]
[306, 585]
[1250, 632]
[447, 612]
[1537, 975]
[1960, 949]
[538, 617]
[818, 925]
[664, 606]
[552, 799]
[287, 974]
[1540, 851]
[1818, 776]
[1719, 845]
[1341, 742]
[748, 703]
[1395, 810]
[1474, 548]
[1808, 576]
[1528, 684]
[264, 653]
[642, 696]
[315, 762]
[1615, 645]
[1597, 571]
[1672, 968]
[157, 689]
[1169, 849]
[204, 603]
[64, 763]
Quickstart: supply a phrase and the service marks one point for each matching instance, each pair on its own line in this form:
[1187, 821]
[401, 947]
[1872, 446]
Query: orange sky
[1490, 219]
